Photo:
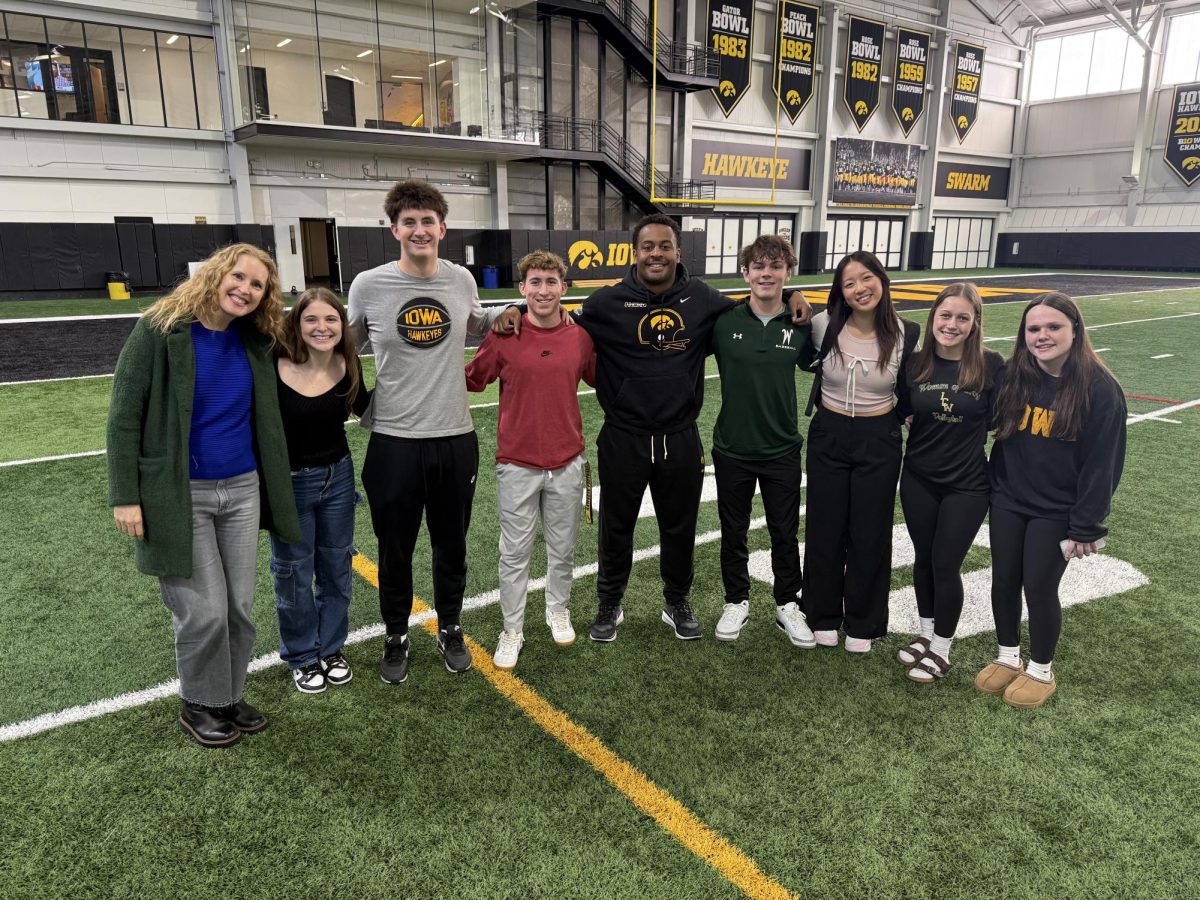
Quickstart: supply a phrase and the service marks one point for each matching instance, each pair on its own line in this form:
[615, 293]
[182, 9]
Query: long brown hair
[1071, 400]
[198, 296]
[294, 348]
[887, 323]
[972, 375]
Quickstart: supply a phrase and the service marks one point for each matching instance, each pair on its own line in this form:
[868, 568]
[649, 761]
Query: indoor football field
[646, 768]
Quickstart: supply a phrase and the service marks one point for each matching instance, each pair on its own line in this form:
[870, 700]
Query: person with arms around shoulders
[951, 384]
[423, 454]
[854, 448]
[756, 440]
[1056, 462]
[540, 461]
[320, 383]
[197, 463]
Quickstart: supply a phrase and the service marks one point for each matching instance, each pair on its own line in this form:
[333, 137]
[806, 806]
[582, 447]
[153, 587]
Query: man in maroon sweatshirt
[539, 447]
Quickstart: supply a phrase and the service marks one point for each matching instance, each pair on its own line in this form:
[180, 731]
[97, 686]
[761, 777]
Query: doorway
[339, 99]
[318, 243]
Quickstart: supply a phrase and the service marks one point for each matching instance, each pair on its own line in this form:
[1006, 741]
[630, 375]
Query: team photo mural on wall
[864, 64]
[964, 94]
[795, 53]
[1182, 152]
[908, 80]
[730, 24]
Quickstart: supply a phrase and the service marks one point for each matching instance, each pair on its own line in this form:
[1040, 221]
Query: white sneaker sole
[729, 636]
[609, 640]
[802, 644]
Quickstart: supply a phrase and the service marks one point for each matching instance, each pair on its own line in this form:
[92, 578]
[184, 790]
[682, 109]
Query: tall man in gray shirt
[423, 455]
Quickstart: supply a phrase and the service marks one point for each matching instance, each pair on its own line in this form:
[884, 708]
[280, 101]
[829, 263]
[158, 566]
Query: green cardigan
[149, 423]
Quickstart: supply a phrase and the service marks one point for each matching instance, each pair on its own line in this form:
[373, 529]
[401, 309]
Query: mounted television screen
[64, 79]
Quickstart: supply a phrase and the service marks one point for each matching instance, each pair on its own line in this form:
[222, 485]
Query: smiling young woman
[194, 440]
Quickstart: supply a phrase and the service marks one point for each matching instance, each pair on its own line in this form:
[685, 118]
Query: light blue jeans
[214, 634]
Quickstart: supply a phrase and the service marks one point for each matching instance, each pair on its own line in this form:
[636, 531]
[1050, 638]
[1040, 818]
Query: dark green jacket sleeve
[126, 414]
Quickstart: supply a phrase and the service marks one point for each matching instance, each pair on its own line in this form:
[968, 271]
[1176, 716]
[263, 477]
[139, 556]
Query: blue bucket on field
[491, 277]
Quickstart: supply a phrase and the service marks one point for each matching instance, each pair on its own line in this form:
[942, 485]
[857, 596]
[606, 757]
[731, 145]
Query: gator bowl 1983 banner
[730, 24]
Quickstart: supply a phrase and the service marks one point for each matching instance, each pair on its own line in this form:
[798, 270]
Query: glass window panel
[1134, 60]
[349, 45]
[141, 69]
[1073, 64]
[639, 119]
[561, 67]
[614, 90]
[731, 243]
[106, 73]
[208, 96]
[523, 66]
[589, 73]
[750, 231]
[8, 88]
[564, 201]
[896, 241]
[460, 86]
[867, 241]
[1045, 69]
[65, 64]
[27, 47]
[663, 133]
[1108, 61]
[526, 195]
[406, 73]
[1182, 59]
[712, 236]
[175, 60]
[588, 186]
[614, 208]
[278, 64]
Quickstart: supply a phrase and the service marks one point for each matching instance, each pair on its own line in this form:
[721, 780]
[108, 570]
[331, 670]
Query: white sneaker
[559, 620]
[858, 645]
[826, 638]
[733, 617]
[508, 648]
[789, 618]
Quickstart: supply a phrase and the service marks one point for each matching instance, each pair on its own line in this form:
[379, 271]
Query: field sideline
[764, 770]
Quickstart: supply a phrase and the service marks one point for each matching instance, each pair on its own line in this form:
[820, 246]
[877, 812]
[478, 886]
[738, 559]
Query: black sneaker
[679, 616]
[454, 650]
[336, 669]
[394, 667]
[604, 629]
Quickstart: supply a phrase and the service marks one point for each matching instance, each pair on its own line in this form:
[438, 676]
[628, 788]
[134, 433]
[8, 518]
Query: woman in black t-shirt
[951, 385]
[319, 378]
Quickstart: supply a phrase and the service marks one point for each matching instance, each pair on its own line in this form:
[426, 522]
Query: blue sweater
[220, 443]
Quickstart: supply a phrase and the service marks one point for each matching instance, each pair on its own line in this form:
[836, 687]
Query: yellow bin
[118, 286]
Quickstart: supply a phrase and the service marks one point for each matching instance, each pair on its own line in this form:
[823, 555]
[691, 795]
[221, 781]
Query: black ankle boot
[206, 726]
[244, 717]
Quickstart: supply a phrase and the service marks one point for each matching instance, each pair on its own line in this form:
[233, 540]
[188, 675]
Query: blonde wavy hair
[198, 296]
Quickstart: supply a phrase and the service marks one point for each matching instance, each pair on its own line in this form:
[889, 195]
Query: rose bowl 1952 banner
[908, 81]
[864, 65]
[795, 55]
[875, 173]
[964, 93]
[730, 23]
[1182, 152]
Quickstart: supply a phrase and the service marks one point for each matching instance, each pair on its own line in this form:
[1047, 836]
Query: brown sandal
[917, 649]
[932, 665]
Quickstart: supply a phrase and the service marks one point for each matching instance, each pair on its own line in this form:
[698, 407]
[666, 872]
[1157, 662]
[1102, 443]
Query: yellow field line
[671, 815]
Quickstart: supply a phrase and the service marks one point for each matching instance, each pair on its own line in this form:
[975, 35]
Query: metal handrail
[679, 57]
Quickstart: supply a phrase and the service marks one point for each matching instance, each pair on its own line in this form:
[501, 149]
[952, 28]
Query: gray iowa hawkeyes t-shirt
[418, 329]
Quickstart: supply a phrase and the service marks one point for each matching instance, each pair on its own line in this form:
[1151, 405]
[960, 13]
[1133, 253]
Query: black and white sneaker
[309, 679]
[679, 616]
[604, 629]
[453, 648]
[336, 668]
[393, 668]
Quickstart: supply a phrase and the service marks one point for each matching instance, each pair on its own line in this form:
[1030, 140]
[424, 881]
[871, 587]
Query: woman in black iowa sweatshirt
[1058, 456]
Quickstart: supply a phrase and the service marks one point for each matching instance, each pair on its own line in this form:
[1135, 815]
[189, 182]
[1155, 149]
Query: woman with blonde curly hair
[194, 440]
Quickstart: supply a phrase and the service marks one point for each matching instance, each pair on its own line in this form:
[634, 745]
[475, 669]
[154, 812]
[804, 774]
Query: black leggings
[942, 525]
[1025, 554]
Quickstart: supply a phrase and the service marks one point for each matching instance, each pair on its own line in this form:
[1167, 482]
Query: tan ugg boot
[995, 677]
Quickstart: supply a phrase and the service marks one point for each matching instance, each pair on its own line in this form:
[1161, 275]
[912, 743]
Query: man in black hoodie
[651, 333]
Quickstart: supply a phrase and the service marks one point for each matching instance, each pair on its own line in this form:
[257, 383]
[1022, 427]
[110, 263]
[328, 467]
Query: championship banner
[864, 61]
[751, 165]
[908, 81]
[795, 52]
[729, 26]
[964, 98]
[1182, 152]
[971, 181]
[875, 173]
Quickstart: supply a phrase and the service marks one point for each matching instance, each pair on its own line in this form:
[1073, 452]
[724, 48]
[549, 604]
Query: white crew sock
[1010, 656]
[1040, 671]
[941, 646]
[927, 629]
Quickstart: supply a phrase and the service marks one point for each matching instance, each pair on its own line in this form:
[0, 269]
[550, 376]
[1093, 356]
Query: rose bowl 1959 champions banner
[864, 64]
[1182, 152]
[730, 25]
[795, 55]
[908, 81]
[964, 93]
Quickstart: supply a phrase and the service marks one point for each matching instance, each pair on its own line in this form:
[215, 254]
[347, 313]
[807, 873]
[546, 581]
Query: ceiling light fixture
[365, 53]
[473, 10]
[438, 63]
[284, 42]
[172, 39]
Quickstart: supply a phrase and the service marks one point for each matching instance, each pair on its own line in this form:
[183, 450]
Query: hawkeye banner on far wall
[1182, 152]
[795, 55]
[964, 93]
[864, 63]
[908, 81]
[729, 27]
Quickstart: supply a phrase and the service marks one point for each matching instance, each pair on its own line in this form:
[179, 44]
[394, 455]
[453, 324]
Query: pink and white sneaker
[826, 638]
[858, 645]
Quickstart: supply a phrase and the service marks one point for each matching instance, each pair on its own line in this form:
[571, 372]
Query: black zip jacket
[650, 351]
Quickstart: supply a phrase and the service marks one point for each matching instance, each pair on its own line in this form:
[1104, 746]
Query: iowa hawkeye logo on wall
[423, 322]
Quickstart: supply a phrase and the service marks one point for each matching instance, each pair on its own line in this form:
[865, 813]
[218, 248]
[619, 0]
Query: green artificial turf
[834, 773]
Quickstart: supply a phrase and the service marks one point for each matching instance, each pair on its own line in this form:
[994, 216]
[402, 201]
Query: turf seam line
[667, 812]
[1013, 337]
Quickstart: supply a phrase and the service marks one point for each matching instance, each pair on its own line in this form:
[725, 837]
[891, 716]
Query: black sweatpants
[852, 465]
[942, 525]
[672, 465]
[405, 478]
[779, 481]
[1026, 555]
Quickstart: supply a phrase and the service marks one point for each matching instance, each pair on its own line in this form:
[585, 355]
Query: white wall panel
[1082, 123]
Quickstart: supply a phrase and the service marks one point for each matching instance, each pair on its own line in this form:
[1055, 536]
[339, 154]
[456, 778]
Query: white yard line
[1013, 337]
[1161, 413]
[52, 380]
[42, 459]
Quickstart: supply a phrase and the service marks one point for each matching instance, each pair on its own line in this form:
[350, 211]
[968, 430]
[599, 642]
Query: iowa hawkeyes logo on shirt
[661, 330]
[423, 322]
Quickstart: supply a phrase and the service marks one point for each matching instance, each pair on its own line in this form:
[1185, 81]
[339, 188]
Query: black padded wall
[1157, 251]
